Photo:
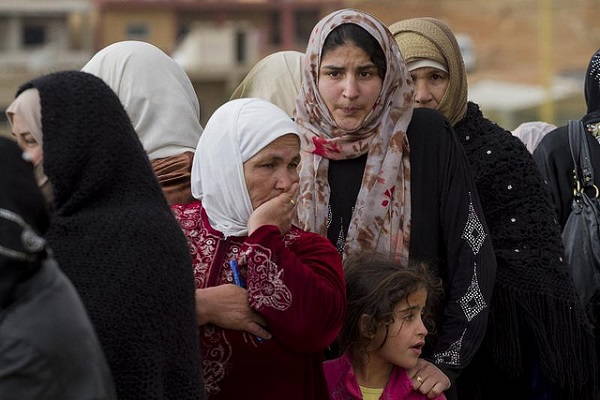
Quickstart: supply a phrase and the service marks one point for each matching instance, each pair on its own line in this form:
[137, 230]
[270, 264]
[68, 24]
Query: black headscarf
[23, 219]
[117, 241]
[592, 89]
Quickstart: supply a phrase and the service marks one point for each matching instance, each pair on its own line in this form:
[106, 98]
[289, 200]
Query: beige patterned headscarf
[381, 218]
[276, 78]
[430, 38]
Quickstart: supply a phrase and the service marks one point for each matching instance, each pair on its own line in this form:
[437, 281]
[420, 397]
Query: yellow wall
[162, 27]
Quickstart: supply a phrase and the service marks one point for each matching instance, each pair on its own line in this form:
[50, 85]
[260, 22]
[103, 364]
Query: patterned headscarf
[381, 218]
[454, 103]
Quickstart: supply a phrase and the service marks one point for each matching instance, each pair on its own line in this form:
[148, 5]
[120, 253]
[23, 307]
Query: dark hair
[352, 33]
[374, 286]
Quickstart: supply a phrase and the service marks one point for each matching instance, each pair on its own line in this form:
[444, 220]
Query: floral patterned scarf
[381, 218]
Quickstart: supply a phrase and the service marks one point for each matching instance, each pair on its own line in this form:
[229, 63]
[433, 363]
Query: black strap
[580, 152]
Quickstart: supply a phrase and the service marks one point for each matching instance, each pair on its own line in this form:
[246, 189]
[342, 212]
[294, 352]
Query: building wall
[160, 27]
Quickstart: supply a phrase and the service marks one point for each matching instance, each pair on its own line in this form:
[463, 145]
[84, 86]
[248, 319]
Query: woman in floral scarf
[378, 176]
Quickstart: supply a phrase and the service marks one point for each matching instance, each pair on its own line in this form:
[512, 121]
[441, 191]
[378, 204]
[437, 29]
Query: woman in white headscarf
[532, 133]
[276, 78]
[24, 116]
[162, 105]
[271, 296]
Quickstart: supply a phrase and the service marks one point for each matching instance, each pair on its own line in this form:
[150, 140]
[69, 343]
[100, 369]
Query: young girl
[383, 334]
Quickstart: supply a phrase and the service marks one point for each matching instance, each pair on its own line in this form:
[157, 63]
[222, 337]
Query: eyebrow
[338, 68]
[276, 158]
[412, 308]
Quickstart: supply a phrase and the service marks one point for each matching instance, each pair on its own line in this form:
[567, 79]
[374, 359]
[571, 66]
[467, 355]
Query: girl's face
[406, 335]
[349, 85]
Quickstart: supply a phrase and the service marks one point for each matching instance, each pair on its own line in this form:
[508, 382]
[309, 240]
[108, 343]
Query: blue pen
[237, 279]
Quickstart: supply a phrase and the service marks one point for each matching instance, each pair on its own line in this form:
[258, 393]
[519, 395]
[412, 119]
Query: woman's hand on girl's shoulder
[428, 379]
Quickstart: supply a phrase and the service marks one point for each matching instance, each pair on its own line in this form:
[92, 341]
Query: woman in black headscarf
[116, 239]
[48, 348]
[553, 154]
[537, 333]
[553, 157]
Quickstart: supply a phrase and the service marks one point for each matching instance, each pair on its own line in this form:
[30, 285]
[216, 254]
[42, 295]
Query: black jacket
[48, 348]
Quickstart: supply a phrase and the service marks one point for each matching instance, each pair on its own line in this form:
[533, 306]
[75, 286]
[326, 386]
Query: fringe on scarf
[563, 336]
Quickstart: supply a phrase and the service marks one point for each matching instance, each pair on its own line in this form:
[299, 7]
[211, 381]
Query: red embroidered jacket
[295, 282]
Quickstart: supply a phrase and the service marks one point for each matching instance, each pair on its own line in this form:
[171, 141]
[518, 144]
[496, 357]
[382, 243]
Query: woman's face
[349, 85]
[273, 170]
[25, 139]
[430, 86]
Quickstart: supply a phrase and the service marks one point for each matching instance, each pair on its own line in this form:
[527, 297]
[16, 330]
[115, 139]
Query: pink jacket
[342, 383]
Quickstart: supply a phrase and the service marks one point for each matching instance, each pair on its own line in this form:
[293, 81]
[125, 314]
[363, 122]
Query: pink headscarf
[381, 218]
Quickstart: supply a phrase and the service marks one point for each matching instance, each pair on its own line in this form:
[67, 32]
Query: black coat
[445, 212]
[115, 238]
[535, 315]
[48, 348]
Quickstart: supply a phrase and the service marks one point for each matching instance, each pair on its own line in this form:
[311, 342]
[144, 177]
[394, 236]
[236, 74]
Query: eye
[409, 317]
[366, 74]
[267, 165]
[294, 164]
[29, 141]
[334, 74]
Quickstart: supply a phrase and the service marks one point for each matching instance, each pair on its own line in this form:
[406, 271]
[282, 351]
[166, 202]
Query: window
[240, 47]
[34, 35]
[137, 31]
[275, 36]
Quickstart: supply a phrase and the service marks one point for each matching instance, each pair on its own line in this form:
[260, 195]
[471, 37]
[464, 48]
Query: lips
[350, 109]
[418, 347]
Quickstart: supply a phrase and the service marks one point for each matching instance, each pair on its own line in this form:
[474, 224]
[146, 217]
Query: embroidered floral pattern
[201, 243]
[265, 287]
[216, 352]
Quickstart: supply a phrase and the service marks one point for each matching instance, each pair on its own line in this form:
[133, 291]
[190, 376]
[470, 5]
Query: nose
[351, 91]
[286, 179]
[422, 93]
[422, 329]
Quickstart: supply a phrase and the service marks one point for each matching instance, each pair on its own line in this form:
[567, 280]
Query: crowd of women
[347, 226]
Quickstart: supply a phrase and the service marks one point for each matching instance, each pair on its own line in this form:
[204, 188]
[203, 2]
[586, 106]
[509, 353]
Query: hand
[278, 211]
[428, 379]
[226, 306]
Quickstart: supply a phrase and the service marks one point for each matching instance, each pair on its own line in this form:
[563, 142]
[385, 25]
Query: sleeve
[299, 290]
[25, 373]
[470, 265]
[555, 178]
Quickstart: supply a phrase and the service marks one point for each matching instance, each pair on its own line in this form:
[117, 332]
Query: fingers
[294, 189]
[257, 330]
[435, 391]
[413, 372]
[430, 382]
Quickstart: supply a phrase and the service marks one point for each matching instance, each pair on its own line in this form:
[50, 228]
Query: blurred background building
[526, 58]
[41, 36]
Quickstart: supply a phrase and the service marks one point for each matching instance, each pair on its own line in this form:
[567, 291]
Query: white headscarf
[276, 78]
[532, 133]
[29, 108]
[156, 93]
[234, 133]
